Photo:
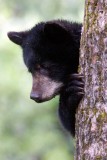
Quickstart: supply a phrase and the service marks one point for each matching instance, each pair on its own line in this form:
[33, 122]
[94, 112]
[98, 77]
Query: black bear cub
[51, 54]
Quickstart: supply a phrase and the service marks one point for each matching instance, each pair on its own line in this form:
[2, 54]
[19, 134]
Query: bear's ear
[56, 32]
[17, 37]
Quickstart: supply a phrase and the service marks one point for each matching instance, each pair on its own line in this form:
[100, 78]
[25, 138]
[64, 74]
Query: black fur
[52, 49]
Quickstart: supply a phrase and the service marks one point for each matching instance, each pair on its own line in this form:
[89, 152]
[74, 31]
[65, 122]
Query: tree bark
[91, 117]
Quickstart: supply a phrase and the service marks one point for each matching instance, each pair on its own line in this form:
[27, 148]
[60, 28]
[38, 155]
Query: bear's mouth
[41, 100]
[44, 100]
[44, 88]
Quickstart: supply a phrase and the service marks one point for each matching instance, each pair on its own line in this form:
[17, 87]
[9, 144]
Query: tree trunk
[91, 117]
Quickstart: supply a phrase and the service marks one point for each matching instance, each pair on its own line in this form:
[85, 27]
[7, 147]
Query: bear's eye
[38, 66]
[45, 66]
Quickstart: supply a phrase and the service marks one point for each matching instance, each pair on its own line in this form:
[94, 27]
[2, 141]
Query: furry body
[51, 54]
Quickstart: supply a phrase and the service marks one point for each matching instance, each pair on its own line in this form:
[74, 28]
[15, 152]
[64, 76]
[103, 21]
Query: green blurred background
[28, 130]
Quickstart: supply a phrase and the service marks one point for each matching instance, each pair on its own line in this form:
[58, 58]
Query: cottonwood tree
[91, 117]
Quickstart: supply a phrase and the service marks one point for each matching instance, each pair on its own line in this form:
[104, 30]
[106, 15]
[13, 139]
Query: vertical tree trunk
[91, 117]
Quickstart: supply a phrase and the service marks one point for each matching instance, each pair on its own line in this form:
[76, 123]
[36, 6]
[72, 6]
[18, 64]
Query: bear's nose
[36, 97]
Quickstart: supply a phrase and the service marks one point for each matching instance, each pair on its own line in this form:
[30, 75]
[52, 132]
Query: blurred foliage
[28, 130]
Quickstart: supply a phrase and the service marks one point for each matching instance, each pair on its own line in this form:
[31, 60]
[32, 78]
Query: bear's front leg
[70, 97]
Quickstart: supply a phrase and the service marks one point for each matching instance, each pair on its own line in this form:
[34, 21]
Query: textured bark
[91, 117]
